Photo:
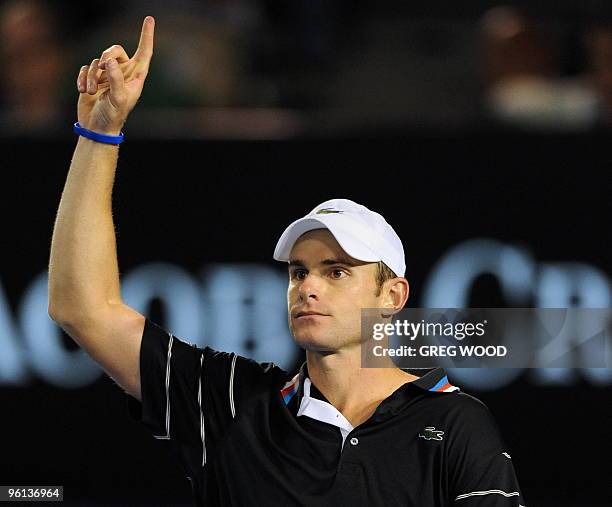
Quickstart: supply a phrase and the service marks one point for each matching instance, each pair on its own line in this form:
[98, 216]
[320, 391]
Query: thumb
[116, 81]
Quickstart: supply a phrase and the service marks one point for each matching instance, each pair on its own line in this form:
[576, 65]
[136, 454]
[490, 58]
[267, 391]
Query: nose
[310, 287]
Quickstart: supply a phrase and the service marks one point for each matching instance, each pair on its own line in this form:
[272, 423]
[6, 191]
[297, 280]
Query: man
[249, 433]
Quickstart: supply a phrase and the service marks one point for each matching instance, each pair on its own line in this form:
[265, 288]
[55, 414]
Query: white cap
[363, 234]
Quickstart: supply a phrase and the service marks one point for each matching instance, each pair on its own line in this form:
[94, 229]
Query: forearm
[83, 269]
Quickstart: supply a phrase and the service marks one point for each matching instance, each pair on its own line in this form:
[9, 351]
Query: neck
[353, 390]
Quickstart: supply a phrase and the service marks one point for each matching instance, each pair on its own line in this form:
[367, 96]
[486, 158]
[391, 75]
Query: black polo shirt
[249, 434]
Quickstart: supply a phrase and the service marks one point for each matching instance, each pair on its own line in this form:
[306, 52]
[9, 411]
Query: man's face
[324, 279]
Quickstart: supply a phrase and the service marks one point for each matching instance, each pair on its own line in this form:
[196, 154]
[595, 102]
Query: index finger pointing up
[145, 46]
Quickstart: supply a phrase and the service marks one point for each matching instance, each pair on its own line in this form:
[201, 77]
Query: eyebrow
[326, 262]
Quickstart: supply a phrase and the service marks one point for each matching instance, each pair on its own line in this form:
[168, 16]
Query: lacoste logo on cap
[325, 211]
[431, 433]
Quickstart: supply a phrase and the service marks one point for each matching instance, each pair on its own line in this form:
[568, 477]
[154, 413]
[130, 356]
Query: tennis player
[250, 433]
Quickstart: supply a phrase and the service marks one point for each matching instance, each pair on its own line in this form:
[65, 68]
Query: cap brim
[338, 227]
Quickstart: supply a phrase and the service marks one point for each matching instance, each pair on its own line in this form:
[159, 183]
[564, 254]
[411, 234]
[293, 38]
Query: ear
[395, 293]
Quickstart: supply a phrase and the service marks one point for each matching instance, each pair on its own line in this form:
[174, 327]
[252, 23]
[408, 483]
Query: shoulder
[246, 376]
[251, 369]
[462, 414]
[461, 403]
[447, 398]
[470, 423]
[223, 371]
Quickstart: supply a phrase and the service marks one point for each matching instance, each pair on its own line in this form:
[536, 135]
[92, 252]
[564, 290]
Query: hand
[110, 86]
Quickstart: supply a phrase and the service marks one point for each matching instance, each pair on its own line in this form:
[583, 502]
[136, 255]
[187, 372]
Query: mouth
[304, 315]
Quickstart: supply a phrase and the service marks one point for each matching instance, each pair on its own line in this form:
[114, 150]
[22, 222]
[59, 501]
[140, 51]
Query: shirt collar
[323, 411]
[430, 379]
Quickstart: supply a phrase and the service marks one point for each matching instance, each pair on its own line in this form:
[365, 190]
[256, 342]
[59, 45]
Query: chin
[310, 340]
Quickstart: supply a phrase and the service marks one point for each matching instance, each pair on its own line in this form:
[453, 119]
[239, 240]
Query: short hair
[383, 273]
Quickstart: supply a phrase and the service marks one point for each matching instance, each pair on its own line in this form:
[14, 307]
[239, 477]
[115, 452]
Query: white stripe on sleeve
[488, 492]
[202, 430]
[231, 387]
[167, 435]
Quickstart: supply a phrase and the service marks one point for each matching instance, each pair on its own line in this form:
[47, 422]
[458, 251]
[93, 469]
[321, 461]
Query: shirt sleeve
[169, 384]
[192, 394]
[481, 472]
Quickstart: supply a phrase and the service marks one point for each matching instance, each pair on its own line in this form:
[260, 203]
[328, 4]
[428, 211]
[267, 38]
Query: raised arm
[84, 289]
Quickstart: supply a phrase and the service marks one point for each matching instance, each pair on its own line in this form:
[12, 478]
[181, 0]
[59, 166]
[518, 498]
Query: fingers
[82, 79]
[145, 46]
[117, 52]
[117, 83]
[93, 76]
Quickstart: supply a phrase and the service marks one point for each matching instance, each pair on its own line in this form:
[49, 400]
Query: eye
[338, 274]
[298, 274]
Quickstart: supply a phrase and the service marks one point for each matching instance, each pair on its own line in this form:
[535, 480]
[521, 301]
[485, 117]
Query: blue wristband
[94, 136]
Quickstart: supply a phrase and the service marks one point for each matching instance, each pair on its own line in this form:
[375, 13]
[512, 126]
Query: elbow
[64, 315]
[58, 316]
[53, 312]
[72, 317]
[56, 305]
[69, 307]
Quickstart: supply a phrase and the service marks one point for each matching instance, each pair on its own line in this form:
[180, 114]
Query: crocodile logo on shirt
[326, 211]
[431, 433]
